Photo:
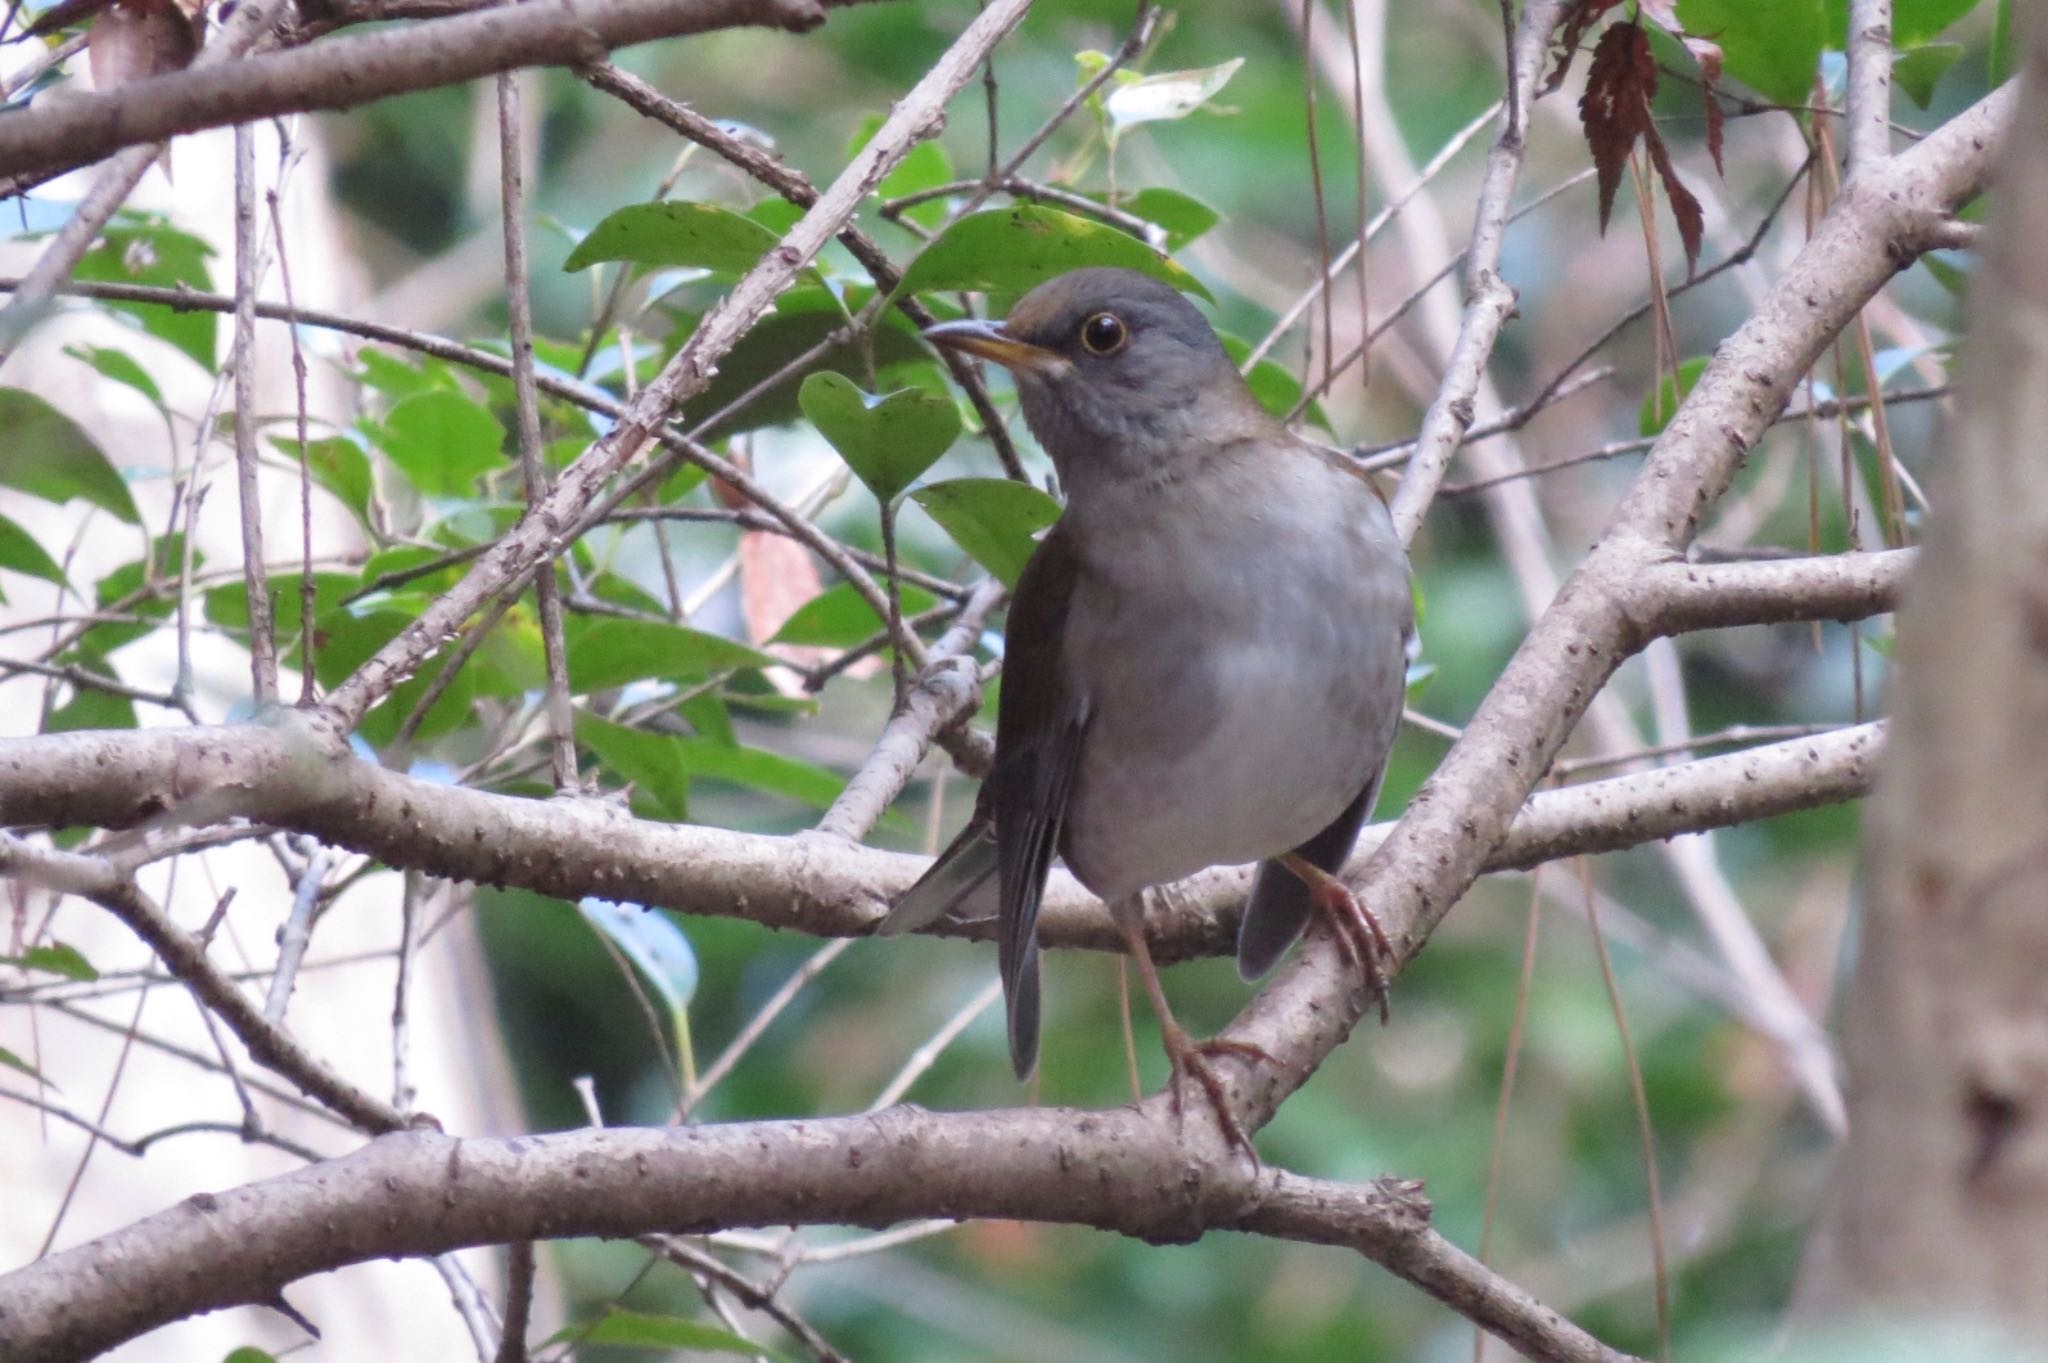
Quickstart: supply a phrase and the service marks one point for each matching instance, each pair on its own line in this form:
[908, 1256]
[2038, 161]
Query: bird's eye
[1104, 334]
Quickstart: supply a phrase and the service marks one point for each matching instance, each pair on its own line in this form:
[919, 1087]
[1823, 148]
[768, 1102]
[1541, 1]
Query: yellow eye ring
[1104, 333]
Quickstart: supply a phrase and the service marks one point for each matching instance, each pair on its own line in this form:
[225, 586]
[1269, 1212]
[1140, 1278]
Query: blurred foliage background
[1740, 1156]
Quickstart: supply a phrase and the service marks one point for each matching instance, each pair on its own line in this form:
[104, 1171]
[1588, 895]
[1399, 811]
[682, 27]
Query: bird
[1205, 658]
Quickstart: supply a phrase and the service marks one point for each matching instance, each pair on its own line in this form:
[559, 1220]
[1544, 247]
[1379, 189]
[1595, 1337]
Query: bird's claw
[1190, 1058]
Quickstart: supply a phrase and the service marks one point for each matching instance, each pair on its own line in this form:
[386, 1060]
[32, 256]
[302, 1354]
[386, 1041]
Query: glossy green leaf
[1918, 70]
[651, 940]
[994, 520]
[20, 552]
[48, 455]
[55, 958]
[1166, 94]
[442, 441]
[1662, 402]
[1772, 48]
[1181, 216]
[674, 233]
[608, 653]
[399, 377]
[887, 441]
[639, 1330]
[154, 253]
[650, 761]
[840, 617]
[1010, 250]
[759, 769]
[803, 318]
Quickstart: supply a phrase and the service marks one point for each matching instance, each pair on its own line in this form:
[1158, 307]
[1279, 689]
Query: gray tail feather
[1022, 992]
[1273, 917]
[962, 883]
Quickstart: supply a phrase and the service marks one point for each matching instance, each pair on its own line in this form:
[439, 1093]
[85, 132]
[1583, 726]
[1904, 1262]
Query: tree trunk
[1941, 1200]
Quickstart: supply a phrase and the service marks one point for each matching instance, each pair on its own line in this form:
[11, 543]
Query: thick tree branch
[341, 73]
[1675, 598]
[296, 773]
[421, 1193]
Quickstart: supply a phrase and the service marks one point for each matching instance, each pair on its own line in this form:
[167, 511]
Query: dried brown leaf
[1615, 110]
[1685, 209]
[1579, 16]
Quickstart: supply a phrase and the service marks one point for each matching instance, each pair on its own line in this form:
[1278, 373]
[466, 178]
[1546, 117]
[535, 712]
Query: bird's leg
[1187, 1056]
[1359, 934]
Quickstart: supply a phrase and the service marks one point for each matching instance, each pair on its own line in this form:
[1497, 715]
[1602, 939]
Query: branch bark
[341, 73]
[423, 1193]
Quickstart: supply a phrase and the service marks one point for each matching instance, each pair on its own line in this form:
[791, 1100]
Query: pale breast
[1243, 669]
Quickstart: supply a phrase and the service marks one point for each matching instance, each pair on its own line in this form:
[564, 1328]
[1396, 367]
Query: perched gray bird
[1206, 656]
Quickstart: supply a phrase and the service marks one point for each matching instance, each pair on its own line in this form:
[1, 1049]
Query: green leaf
[1271, 382]
[1772, 48]
[925, 166]
[1913, 21]
[2000, 59]
[48, 455]
[802, 318]
[151, 252]
[652, 941]
[673, 233]
[650, 761]
[608, 653]
[840, 617]
[228, 604]
[887, 441]
[638, 1330]
[56, 959]
[249, 1353]
[1182, 216]
[1662, 403]
[708, 715]
[20, 552]
[759, 769]
[14, 1062]
[339, 465]
[993, 519]
[442, 441]
[122, 368]
[1010, 250]
[90, 708]
[1918, 69]
[1166, 95]
[1956, 281]
[399, 377]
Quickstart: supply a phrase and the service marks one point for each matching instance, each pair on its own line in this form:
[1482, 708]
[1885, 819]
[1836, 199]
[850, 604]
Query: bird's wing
[1279, 905]
[959, 884]
[1039, 726]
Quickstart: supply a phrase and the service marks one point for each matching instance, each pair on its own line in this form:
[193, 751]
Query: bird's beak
[990, 341]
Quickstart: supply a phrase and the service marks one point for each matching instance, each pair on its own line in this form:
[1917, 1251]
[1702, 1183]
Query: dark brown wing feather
[1039, 727]
[1279, 906]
